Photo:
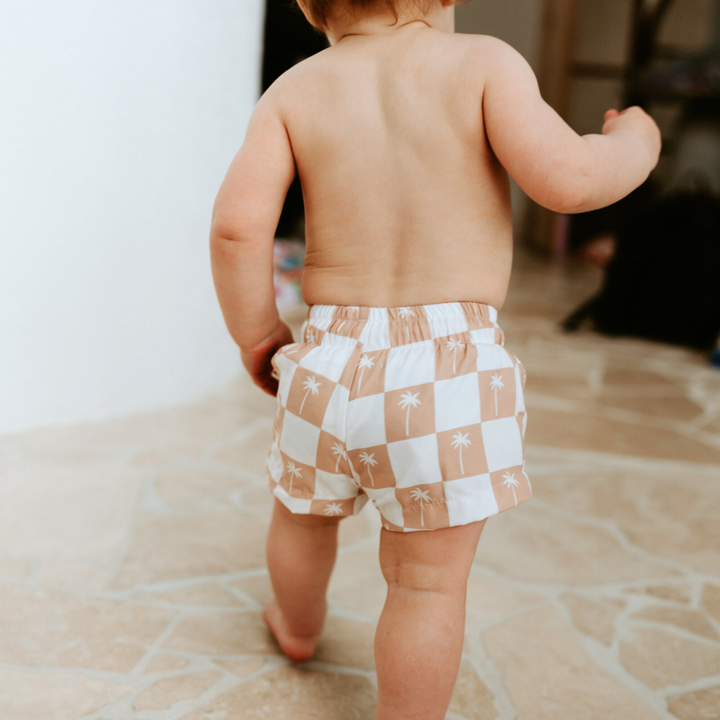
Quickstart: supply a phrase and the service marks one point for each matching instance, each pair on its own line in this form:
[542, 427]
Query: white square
[486, 336]
[299, 439]
[286, 369]
[376, 333]
[503, 444]
[274, 463]
[519, 397]
[415, 461]
[470, 499]
[410, 365]
[294, 504]
[333, 486]
[385, 501]
[457, 402]
[329, 361]
[366, 422]
[448, 319]
[334, 419]
[491, 356]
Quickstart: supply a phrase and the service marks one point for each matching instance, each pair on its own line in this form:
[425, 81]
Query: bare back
[405, 201]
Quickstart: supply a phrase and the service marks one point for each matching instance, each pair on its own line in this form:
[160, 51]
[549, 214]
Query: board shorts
[419, 409]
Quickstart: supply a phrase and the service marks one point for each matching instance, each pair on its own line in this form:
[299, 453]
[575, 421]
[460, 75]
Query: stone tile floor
[132, 573]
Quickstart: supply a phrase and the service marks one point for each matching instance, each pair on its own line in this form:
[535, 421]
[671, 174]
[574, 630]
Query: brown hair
[318, 10]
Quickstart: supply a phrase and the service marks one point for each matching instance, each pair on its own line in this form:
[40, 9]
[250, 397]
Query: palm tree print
[461, 441]
[409, 400]
[496, 384]
[338, 450]
[509, 480]
[421, 496]
[454, 345]
[368, 461]
[406, 313]
[365, 362]
[333, 509]
[310, 385]
[293, 472]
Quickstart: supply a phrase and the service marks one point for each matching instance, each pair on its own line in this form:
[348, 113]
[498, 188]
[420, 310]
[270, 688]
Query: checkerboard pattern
[419, 409]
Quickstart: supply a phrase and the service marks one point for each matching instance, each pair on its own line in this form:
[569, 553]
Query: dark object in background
[664, 281]
[289, 38]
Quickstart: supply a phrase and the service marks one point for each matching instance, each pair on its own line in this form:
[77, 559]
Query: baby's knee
[421, 577]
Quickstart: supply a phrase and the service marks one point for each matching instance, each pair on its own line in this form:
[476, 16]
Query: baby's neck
[377, 21]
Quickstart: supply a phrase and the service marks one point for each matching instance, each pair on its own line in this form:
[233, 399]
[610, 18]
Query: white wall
[118, 121]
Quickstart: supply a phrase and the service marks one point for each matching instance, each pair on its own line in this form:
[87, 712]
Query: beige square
[297, 479]
[410, 412]
[511, 487]
[346, 379]
[408, 331]
[423, 506]
[309, 395]
[331, 455]
[313, 335]
[346, 326]
[332, 508]
[497, 393]
[297, 352]
[461, 452]
[454, 355]
[373, 466]
[369, 376]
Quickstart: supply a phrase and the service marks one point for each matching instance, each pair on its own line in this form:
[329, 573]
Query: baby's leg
[301, 552]
[419, 639]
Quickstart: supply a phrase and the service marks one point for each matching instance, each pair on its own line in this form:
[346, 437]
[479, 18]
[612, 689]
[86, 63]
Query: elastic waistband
[377, 328]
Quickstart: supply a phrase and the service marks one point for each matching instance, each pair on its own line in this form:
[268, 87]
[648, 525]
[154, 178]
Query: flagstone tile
[471, 697]
[166, 692]
[203, 594]
[14, 568]
[532, 544]
[489, 599]
[676, 593]
[163, 662]
[242, 668]
[698, 705]
[596, 619]
[250, 453]
[347, 642]
[170, 547]
[573, 430]
[710, 599]
[258, 587]
[549, 675]
[689, 620]
[189, 489]
[289, 693]
[54, 629]
[660, 658]
[55, 696]
[357, 582]
[674, 408]
[670, 514]
[222, 633]
[77, 517]
[358, 527]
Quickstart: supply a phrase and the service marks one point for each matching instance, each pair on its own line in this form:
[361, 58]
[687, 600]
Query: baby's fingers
[610, 114]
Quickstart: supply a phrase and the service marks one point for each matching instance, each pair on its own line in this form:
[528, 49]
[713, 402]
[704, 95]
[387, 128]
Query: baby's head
[320, 12]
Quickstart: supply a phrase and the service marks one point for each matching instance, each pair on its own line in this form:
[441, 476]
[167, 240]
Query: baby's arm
[555, 166]
[245, 216]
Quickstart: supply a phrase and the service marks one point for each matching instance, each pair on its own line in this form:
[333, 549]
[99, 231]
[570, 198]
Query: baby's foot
[298, 649]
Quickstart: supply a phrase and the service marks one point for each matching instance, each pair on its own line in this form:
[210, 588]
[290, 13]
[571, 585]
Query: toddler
[399, 390]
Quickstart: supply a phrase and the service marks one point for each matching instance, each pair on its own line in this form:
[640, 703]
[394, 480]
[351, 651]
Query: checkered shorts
[419, 409]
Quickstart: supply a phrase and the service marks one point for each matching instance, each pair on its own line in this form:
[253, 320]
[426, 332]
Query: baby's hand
[635, 119]
[257, 361]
